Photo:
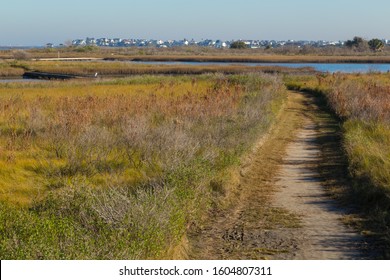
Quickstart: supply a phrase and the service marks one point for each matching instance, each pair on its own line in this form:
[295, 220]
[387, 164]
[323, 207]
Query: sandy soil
[322, 235]
[280, 209]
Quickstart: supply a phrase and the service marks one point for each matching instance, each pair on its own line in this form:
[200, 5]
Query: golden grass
[26, 110]
[369, 148]
[117, 68]
[7, 70]
[49, 128]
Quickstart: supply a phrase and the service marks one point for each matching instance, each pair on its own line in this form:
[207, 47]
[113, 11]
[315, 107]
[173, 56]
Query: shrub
[21, 55]
[238, 45]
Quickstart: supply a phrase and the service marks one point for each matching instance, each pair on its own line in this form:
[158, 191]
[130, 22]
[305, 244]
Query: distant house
[102, 42]
[90, 42]
[79, 42]
[220, 44]
[49, 45]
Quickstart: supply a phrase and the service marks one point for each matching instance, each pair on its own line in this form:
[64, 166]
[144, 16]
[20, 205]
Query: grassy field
[119, 169]
[262, 58]
[120, 68]
[197, 52]
[362, 102]
[115, 61]
[11, 69]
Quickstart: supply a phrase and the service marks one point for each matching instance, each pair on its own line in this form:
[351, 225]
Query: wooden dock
[49, 76]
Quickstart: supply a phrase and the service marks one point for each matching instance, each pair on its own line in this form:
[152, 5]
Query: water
[338, 67]
[322, 67]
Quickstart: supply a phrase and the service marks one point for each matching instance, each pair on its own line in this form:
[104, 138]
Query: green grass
[368, 147]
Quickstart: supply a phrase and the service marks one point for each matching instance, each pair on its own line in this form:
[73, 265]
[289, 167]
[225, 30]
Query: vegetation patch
[119, 169]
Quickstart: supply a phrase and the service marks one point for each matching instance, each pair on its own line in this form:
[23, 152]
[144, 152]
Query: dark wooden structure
[48, 76]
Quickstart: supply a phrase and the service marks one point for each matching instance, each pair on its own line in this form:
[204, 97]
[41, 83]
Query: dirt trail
[323, 235]
[281, 210]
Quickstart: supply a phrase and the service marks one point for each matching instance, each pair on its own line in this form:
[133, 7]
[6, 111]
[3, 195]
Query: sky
[37, 22]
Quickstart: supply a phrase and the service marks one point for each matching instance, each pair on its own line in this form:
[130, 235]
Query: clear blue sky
[36, 22]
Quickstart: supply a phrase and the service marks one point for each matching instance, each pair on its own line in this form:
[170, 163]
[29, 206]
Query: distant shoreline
[235, 59]
[8, 48]
[259, 59]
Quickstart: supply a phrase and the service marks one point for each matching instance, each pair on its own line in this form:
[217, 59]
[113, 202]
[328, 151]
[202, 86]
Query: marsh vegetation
[120, 169]
[124, 168]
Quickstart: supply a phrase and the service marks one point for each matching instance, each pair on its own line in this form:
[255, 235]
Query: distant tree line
[359, 44]
[356, 44]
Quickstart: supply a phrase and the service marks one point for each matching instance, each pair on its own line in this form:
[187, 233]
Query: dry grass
[10, 69]
[118, 169]
[281, 54]
[360, 97]
[71, 128]
[110, 68]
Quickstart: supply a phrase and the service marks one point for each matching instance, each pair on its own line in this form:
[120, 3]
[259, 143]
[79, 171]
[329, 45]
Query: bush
[238, 45]
[21, 55]
[376, 45]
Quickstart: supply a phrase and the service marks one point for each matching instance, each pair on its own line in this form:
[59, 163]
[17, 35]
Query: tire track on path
[281, 210]
[322, 236]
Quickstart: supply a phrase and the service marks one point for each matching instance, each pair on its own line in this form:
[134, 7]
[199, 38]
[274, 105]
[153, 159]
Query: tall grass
[364, 102]
[120, 169]
[13, 69]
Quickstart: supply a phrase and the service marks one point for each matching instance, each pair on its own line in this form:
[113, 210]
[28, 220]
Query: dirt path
[322, 235]
[281, 210]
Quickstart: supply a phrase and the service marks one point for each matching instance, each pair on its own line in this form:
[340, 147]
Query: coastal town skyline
[215, 43]
[34, 23]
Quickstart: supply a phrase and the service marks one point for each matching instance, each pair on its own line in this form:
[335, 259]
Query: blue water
[322, 67]
[338, 67]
